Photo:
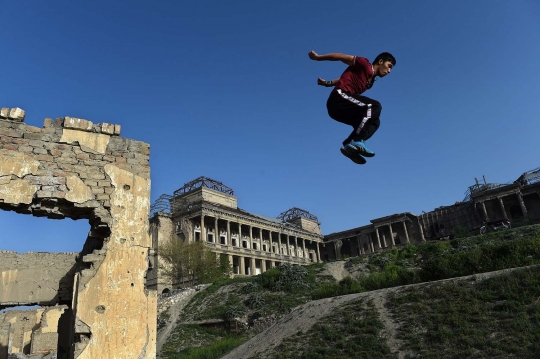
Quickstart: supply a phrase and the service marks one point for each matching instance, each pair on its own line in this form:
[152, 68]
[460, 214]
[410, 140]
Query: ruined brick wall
[77, 169]
[41, 278]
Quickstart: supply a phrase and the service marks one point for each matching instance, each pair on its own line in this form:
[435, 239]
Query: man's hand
[313, 55]
[321, 82]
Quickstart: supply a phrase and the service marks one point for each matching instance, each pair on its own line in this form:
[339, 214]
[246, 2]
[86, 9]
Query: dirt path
[174, 312]
[303, 317]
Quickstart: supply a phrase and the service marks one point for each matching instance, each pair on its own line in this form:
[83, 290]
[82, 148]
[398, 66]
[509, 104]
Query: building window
[222, 239]
[210, 238]
[264, 247]
[197, 236]
[244, 244]
[255, 246]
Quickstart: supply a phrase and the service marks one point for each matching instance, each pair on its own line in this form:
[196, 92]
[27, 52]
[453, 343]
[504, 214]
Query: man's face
[384, 68]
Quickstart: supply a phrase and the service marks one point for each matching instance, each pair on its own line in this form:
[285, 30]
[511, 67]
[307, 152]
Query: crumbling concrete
[36, 278]
[77, 169]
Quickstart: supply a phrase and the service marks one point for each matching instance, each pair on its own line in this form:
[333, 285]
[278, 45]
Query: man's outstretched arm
[334, 56]
[331, 83]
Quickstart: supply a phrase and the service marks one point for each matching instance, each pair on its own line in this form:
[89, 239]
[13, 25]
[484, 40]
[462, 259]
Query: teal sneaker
[353, 155]
[360, 147]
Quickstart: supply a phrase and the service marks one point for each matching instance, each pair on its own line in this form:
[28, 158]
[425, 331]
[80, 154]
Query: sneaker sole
[356, 158]
[361, 151]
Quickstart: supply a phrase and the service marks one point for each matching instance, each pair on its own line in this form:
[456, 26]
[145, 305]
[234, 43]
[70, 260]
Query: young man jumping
[346, 105]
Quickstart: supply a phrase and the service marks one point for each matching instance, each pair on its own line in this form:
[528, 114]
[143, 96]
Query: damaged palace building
[517, 202]
[207, 210]
[93, 304]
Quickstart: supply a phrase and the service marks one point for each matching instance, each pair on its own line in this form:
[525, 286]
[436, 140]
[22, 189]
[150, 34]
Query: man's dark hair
[385, 56]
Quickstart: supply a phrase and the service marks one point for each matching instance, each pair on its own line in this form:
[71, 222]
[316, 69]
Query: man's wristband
[328, 83]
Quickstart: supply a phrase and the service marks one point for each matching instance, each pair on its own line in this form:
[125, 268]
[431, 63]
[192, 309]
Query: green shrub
[235, 311]
[250, 287]
[255, 300]
[287, 277]
[214, 351]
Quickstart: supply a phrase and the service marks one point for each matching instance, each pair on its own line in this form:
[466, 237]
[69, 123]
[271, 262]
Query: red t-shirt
[355, 78]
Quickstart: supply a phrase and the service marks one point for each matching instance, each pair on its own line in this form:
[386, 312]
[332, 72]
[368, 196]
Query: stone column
[216, 230]
[303, 248]
[242, 265]
[288, 245]
[252, 266]
[484, 211]
[231, 261]
[392, 235]
[250, 237]
[371, 244]
[318, 252]
[420, 226]
[378, 237]
[263, 265]
[502, 208]
[239, 235]
[295, 246]
[203, 232]
[272, 264]
[522, 205]
[228, 241]
[406, 233]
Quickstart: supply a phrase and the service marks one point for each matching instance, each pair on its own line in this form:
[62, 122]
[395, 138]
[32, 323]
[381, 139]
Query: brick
[44, 194]
[117, 129]
[107, 128]
[33, 129]
[97, 190]
[66, 167]
[4, 112]
[17, 114]
[33, 136]
[95, 175]
[120, 160]
[26, 149]
[108, 158]
[103, 197]
[59, 122]
[68, 154]
[45, 158]
[10, 147]
[10, 133]
[78, 124]
[59, 194]
[71, 161]
[83, 156]
[48, 122]
[55, 153]
[40, 151]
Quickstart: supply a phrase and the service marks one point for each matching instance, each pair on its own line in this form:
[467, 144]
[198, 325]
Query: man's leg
[345, 109]
[365, 127]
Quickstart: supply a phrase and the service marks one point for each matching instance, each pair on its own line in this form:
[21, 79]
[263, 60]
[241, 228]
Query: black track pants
[360, 112]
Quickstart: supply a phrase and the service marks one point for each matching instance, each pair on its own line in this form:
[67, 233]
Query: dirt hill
[412, 302]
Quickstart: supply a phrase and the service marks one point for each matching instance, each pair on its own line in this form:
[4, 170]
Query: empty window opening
[222, 240]
[210, 238]
[26, 233]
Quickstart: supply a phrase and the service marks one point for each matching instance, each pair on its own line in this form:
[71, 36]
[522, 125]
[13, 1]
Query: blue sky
[226, 90]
